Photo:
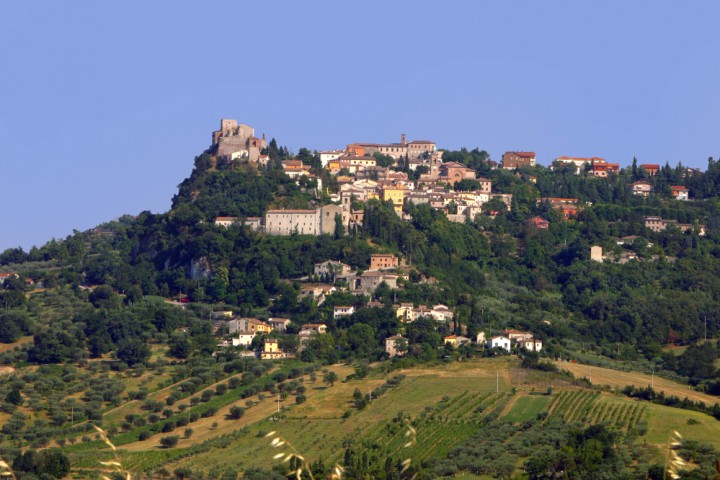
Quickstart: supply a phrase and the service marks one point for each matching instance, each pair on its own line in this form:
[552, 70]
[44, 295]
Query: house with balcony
[641, 188]
[271, 350]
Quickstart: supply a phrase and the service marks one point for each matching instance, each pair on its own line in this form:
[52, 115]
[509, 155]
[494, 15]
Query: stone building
[396, 345]
[379, 261]
[287, 222]
[513, 160]
[418, 149]
[453, 172]
[303, 222]
[235, 141]
[413, 150]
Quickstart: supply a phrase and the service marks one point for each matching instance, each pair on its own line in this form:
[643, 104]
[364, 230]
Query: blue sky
[103, 105]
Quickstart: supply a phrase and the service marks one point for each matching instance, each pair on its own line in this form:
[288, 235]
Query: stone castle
[235, 141]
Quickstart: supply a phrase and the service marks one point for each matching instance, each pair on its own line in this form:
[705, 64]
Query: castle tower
[402, 139]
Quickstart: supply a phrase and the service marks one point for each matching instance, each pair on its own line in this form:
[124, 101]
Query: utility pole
[652, 379]
[590, 374]
[497, 381]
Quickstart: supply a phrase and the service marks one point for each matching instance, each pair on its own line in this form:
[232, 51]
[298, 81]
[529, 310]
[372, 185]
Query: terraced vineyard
[440, 428]
[591, 407]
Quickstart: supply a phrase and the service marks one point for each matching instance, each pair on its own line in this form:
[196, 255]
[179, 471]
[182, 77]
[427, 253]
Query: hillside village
[242, 331]
[404, 174]
[413, 172]
[464, 284]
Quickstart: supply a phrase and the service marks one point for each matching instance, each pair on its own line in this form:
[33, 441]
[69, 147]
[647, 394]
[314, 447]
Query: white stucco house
[499, 342]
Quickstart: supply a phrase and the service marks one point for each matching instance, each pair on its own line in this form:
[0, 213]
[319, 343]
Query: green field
[528, 407]
[447, 405]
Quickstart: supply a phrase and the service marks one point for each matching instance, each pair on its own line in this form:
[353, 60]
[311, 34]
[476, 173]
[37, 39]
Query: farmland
[447, 405]
[619, 379]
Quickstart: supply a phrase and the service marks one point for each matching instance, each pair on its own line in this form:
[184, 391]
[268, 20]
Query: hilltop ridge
[271, 266]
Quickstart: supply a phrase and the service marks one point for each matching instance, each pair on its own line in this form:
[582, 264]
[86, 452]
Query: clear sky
[104, 105]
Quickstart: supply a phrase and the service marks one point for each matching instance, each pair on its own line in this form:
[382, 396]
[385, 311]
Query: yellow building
[404, 312]
[395, 194]
[271, 350]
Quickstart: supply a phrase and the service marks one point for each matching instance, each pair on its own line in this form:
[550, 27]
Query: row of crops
[590, 407]
[440, 428]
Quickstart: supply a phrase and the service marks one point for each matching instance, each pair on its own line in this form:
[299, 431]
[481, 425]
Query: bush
[236, 412]
[170, 441]
[209, 412]
[300, 399]
[144, 435]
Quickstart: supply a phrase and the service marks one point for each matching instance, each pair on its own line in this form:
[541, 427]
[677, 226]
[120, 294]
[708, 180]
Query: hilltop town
[414, 173]
[368, 297]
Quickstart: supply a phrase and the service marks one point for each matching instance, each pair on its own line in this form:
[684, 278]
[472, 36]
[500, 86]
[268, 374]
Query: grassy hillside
[447, 405]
